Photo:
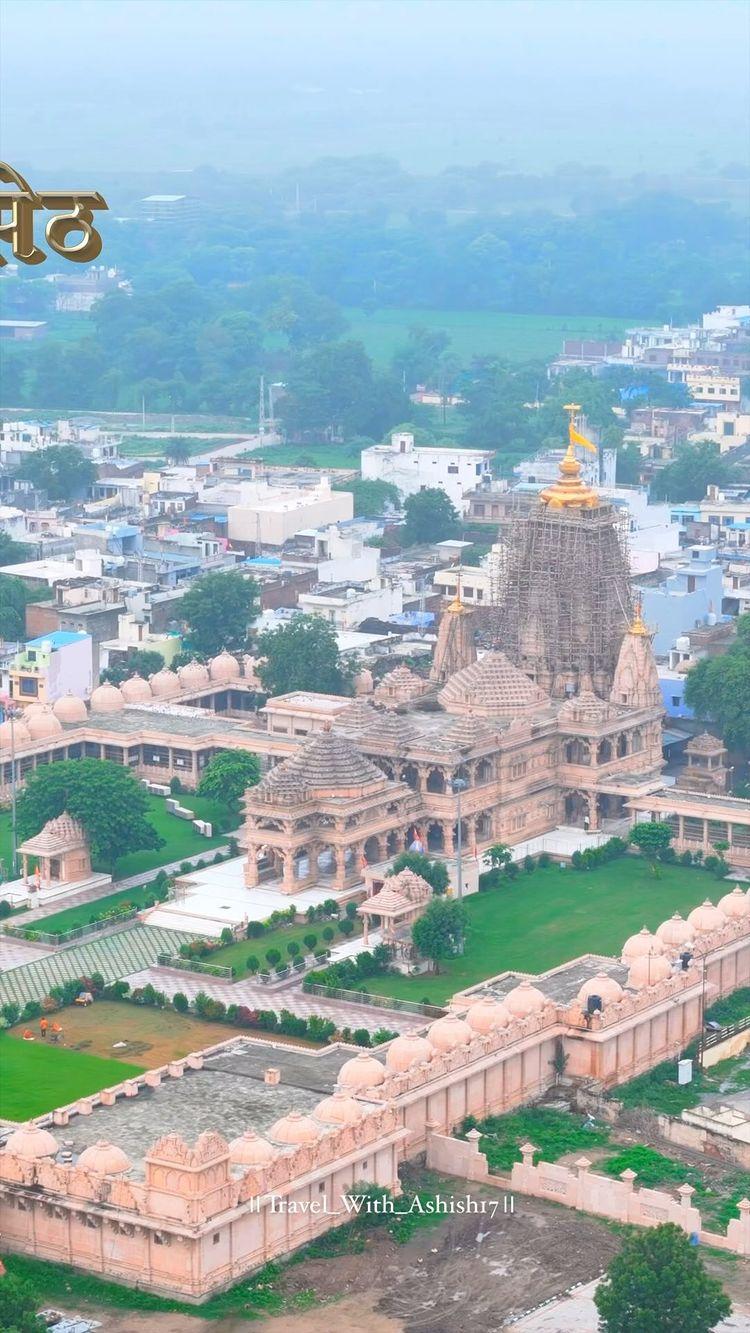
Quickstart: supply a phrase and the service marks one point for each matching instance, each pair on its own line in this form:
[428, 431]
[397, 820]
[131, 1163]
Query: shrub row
[345, 974]
[599, 856]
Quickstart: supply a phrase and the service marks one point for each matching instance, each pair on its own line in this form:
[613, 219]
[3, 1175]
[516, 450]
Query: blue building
[689, 596]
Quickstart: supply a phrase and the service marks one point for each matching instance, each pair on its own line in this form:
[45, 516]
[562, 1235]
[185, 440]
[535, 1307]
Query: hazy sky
[251, 84]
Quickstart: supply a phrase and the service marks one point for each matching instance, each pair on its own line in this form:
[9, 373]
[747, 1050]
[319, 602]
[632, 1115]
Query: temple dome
[641, 945]
[70, 709]
[193, 676]
[295, 1128]
[225, 667]
[448, 1032]
[399, 686]
[675, 932]
[492, 687]
[31, 1141]
[608, 990]
[251, 1149]
[136, 690]
[409, 1049]
[486, 1015]
[363, 682]
[648, 970]
[363, 1071]
[105, 1158]
[735, 904]
[107, 698]
[325, 766]
[525, 999]
[15, 734]
[338, 1109]
[164, 682]
[43, 724]
[587, 708]
[707, 918]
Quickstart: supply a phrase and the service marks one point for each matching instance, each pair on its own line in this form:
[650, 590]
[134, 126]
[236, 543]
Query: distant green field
[309, 455]
[480, 333]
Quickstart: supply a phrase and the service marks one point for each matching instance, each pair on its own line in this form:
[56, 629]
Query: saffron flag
[576, 438]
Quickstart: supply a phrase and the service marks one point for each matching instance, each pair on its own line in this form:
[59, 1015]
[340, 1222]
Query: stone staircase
[114, 956]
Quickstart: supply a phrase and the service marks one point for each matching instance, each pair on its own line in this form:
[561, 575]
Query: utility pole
[262, 408]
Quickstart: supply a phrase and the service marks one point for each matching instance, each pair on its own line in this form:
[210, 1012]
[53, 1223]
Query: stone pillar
[448, 838]
[365, 929]
[287, 877]
[593, 811]
[339, 855]
[582, 1166]
[251, 867]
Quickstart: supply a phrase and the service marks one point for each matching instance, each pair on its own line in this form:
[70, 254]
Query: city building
[687, 592]
[413, 468]
[269, 515]
[52, 666]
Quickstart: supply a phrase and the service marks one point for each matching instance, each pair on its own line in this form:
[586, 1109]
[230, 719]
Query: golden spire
[569, 492]
[637, 625]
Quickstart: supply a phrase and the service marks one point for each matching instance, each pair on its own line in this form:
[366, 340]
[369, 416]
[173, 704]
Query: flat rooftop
[563, 983]
[228, 1095]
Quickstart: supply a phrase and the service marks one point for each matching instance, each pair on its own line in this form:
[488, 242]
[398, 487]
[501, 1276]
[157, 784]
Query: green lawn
[480, 333]
[181, 840]
[145, 446]
[37, 1077]
[235, 955]
[547, 917]
[72, 917]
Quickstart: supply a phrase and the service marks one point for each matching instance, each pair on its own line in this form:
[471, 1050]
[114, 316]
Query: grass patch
[653, 1169]
[73, 917]
[181, 840]
[547, 917]
[553, 1133]
[37, 1077]
[236, 955]
[658, 1090]
[515, 338]
[145, 446]
[732, 1009]
[153, 1036]
[252, 1298]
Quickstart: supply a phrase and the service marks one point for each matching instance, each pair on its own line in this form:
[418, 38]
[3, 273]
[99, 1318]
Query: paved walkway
[577, 1313]
[15, 953]
[255, 996]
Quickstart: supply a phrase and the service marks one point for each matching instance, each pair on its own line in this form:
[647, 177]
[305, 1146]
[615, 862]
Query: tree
[217, 610]
[228, 775]
[61, 470]
[652, 838]
[177, 450]
[12, 552]
[303, 655]
[435, 872]
[695, 467]
[430, 517]
[439, 932]
[18, 1306]
[718, 689]
[657, 1284]
[370, 497]
[499, 855]
[139, 662]
[13, 599]
[105, 798]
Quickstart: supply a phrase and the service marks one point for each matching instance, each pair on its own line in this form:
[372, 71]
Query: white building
[414, 468]
[347, 606]
[269, 515]
[726, 318]
[20, 438]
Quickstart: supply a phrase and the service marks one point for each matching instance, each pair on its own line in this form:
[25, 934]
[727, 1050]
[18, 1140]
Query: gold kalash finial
[569, 492]
[638, 625]
[457, 606]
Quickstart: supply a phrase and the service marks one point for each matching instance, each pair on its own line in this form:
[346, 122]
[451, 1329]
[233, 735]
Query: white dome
[70, 709]
[448, 1032]
[251, 1149]
[106, 698]
[735, 904]
[648, 970]
[105, 1158]
[164, 682]
[225, 667]
[31, 1141]
[487, 1015]
[407, 1050]
[706, 918]
[193, 676]
[43, 724]
[525, 999]
[339, 1109]
[641, 945]
[16, 733]
[363, 1071]
[675, 932]
[295, 1128]
[136, 690]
